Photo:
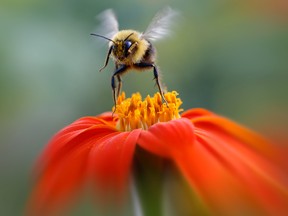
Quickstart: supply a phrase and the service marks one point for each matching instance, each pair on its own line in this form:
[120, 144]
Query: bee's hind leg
[156, 77]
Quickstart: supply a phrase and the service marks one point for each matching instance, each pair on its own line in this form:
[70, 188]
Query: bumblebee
[131, 49]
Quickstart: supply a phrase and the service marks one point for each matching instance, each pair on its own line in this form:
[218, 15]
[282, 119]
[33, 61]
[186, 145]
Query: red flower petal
[63, 167]
[245, 156]
[251, 139]
[197, 112]
[108, 117]
[224, 162]
[169, 138]
[176, 140]
[58, 144]
[110, 160]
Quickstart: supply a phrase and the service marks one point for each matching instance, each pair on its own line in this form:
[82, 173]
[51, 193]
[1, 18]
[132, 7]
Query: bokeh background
[227, 56]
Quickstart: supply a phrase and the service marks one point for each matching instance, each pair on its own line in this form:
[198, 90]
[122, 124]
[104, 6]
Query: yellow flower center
[134, 113]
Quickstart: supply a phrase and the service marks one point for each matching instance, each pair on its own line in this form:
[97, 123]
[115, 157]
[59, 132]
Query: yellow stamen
[134, 113]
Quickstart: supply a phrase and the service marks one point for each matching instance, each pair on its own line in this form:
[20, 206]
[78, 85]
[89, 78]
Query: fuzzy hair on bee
[131, 49]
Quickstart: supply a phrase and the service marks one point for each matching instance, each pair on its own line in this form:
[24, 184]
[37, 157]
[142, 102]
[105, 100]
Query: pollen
[133, 113]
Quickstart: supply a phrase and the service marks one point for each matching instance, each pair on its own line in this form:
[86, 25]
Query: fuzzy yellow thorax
[133, 113]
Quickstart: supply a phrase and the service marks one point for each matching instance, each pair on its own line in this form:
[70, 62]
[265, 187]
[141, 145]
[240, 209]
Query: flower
[226, 164]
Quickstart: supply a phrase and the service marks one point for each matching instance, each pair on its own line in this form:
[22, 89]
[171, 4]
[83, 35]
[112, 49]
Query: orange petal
[197, 112]
[176, 141]
[63, 165]
[168, 138]
[108, 117]
[110, 160]
[251, 139]
[247, 158]
[229, 169]
[82, 128]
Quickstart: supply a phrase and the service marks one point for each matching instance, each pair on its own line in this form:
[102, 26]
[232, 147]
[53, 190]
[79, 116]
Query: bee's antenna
[103, 37]
[128, 36]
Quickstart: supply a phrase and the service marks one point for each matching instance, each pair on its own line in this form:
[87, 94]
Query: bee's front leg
[107, 59]
[117, 73]
[119, 87]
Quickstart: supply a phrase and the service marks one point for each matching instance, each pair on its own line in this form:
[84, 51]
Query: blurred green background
[227, 56]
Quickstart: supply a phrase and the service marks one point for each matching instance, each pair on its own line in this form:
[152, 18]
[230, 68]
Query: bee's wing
[108, 23]
[159, 26]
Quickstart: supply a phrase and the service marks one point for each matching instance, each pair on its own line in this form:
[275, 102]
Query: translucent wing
[159, 27]
[108, 23]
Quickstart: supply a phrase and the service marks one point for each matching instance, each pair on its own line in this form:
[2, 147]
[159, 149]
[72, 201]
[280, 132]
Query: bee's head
[123, 48]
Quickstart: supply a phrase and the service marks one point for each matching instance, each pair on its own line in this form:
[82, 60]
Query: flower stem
[135, 199]
[148, 173]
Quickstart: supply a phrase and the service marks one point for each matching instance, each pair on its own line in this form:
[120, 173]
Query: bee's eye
[127, 44]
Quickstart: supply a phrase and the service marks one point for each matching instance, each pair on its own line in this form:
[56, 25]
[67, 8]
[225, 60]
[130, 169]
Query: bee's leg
[113, 85]
[156, 77]
[117, 73]
[119, 87]
[107, 59]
